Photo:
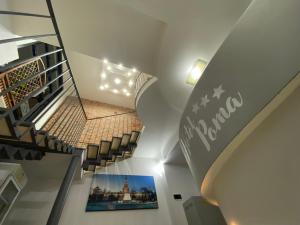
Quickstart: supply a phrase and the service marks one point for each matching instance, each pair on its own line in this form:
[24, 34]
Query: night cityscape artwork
[121, 192]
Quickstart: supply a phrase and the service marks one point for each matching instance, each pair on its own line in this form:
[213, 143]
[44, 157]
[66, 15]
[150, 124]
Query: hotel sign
[256, 61]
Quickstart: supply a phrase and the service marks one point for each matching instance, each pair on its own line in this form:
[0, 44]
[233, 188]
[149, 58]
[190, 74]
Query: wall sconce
[196, 72]
[159, 168]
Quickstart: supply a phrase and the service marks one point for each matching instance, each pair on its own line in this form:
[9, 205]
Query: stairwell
[109, 134]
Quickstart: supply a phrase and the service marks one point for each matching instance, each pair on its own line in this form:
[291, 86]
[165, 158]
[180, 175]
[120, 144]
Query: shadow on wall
[161, 124]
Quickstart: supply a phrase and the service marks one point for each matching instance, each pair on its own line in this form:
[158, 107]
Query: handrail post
[54, 22]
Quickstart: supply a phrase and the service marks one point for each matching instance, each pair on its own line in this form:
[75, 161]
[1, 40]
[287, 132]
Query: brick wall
[67, 122]
[115, 122]
[98, 109]
[104, 122]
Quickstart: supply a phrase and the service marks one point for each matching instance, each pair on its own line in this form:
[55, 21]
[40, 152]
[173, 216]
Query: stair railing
[66, 88]
[142, 81]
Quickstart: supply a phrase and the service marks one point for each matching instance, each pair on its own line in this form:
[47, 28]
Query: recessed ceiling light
[106, 86]
[115, 91]
[101, 87]
[130, 83]
[134, 70]
[117, 81]
[108, 68]
[105, 61]
[120, 65]
[127, 94]
[103, 75]
[125, 90]
[129, 73]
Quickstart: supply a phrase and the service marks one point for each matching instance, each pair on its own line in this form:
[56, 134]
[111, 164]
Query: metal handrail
[5, 41]
[20, 62]
[55, 25]
[22, 14]
[23, 81]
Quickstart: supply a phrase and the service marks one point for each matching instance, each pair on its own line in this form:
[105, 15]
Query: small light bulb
[125, 90]
[120, 65]
[129, 73]
[103, 75]
[134, 70]
[130, 83]
[117, 81]
[106, 86]
[101, 87]
[115, 91]
[105, 61]
[127, 94]
[109, 68]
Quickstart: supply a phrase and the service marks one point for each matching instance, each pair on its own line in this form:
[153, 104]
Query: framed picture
[121, 192]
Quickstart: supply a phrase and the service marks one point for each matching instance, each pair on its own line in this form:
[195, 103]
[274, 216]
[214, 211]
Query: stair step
[51, 142]
[115, 144]
[92, 152]
[40, 138]
[6, 124]
[3, 154]
[26, 132]
[109, 152]
[16, 153]
[104, 147]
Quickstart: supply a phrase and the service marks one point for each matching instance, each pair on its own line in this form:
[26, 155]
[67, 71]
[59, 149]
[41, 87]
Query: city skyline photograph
[121, 192]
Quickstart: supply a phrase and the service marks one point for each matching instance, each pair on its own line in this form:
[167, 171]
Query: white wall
[179, 180]
[260, 183]
[74, 211]
[195, 30]
[9, 51]
[35, 202]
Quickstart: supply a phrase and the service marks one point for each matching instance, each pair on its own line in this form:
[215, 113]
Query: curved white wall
[260, 183]
[195, 29]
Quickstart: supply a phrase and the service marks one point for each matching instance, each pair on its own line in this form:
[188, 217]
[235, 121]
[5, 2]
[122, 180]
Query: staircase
[41, 110]
[30, 89]
[108, 152]
[24, 142]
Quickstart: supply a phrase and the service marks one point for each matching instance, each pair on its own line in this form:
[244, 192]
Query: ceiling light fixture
[127, 94]
[115, 91]
[109, 68]
[134, 70]
[117, 81]
[120, 65]
[129, 73]
[106, 86]
[196, 72]
[103, 75]
[125, 90]
[130, 83]
[105, 61]
[101, 87]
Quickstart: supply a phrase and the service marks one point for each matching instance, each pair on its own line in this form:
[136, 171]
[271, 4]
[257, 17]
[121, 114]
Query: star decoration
[204, 101]
[218, 92]
[195, 108]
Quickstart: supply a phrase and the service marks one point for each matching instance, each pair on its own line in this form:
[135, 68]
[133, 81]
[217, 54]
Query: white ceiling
[104, 81]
